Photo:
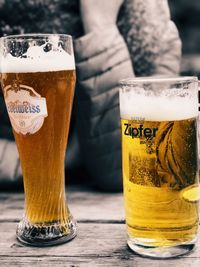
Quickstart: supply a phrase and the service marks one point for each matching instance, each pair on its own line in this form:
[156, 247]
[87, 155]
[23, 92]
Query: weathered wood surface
[101, 239]
[84, 205]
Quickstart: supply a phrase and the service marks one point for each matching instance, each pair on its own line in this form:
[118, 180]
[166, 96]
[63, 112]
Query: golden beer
[160, 189]
[38, 80]
[42, 153]
[160, 164]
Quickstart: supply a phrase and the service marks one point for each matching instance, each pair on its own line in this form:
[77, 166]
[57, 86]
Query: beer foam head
[157, 108]
[37, 60]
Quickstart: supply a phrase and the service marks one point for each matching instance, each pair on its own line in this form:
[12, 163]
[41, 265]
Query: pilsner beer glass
[38, 79]
[160, 164]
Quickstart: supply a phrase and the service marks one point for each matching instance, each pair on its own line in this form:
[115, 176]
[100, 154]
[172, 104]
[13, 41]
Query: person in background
[114, 39]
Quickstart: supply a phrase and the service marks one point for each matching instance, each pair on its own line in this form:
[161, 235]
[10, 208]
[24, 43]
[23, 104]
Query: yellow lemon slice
[191, 193]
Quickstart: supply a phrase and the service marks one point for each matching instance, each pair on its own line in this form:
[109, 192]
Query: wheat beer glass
[159, 159]
[38, 78]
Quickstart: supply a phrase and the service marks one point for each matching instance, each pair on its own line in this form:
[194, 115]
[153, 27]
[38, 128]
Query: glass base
[45, 234]
[159, 252]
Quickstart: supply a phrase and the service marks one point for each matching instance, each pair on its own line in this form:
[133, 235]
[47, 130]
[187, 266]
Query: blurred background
[58, 16]
[186, 15]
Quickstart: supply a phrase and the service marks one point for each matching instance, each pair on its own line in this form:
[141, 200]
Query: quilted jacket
[144, 42]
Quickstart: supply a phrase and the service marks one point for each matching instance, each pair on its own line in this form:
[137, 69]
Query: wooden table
[101, 239]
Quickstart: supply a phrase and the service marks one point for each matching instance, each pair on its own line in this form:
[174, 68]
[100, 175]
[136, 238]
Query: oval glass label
[26, 108]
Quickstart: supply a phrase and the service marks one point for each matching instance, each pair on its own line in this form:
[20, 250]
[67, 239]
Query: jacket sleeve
[168, 61]
[102, 59]
[151, 36]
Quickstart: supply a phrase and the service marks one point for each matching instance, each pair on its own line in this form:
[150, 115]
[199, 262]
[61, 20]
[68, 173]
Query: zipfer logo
[140, 131]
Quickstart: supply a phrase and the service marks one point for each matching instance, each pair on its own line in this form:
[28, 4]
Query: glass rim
[27, 36]
[158, 79]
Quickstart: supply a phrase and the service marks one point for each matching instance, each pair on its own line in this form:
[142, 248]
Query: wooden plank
[93, 240]
[84, 205]
[101, 239]
[114, 261]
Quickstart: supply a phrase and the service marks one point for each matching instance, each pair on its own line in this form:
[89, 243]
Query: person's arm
[151, 36]
[10, 171]
[102, 59]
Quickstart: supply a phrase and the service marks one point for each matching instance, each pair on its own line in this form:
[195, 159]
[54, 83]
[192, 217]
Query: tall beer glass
[159, 158]
[38, 79]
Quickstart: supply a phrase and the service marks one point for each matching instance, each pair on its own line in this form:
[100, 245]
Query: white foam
[160, 108]
[36, 60]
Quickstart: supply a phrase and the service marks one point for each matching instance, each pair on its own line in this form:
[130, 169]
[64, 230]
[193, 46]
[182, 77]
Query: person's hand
[99, 14]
